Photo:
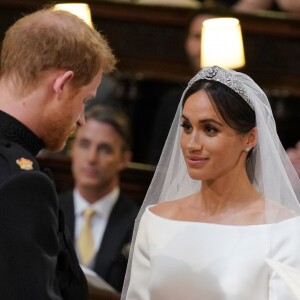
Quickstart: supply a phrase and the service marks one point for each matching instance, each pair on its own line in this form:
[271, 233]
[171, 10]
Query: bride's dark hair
[233, 109]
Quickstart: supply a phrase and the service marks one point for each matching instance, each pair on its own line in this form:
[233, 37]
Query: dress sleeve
[138, 288]
[284, 264]
[284, 281]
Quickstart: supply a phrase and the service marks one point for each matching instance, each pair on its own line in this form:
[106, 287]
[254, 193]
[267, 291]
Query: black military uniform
[37, 259]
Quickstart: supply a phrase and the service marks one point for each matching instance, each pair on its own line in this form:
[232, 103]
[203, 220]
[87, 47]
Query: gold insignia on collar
[24, 163]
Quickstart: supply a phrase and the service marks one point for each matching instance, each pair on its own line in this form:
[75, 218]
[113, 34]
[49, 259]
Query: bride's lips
[196, 160]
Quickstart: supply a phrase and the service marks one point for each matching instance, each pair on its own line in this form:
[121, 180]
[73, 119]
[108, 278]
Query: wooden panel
[148, 40]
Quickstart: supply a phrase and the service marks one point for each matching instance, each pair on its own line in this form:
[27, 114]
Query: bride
[223, 201]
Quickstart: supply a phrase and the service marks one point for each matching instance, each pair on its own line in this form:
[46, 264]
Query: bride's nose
[194, 141]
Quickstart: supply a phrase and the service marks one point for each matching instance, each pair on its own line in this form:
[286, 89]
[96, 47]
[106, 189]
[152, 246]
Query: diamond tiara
[223, 76]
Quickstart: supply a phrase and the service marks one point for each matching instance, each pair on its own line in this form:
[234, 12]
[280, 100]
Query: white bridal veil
[274, 176]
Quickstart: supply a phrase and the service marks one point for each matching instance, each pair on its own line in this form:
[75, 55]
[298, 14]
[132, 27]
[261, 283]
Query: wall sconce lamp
[222, 43]
[81, 10]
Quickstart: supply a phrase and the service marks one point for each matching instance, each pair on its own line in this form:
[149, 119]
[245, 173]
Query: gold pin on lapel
[24, 163]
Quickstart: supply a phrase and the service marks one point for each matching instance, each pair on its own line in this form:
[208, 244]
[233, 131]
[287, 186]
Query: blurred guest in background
[107, 94]
[292, 6]
[98, 214]
[249, 6]
[168, 104]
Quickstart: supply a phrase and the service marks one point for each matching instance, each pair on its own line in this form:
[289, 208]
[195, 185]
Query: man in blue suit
[100, 151]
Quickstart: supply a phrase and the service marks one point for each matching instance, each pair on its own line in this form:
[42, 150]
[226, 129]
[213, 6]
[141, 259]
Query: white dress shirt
[102, 207]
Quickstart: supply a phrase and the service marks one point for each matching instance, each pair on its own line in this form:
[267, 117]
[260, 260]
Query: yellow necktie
[85, 241]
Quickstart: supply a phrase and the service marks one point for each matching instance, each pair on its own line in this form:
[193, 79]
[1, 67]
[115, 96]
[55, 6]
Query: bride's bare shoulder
[168, 209]
[277, 212]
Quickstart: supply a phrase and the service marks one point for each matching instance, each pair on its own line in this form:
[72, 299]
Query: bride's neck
[223, 195]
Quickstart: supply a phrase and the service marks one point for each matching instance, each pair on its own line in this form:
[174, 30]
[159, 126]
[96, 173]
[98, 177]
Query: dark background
[148, 42]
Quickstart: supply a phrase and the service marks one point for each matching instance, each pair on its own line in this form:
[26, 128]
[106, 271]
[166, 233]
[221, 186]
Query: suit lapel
[67, 204]
[113, 236]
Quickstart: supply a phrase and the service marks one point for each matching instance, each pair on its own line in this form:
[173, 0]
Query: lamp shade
[222, 43]
[81, 10]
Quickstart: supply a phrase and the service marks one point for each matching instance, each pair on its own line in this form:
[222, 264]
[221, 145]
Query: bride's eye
[211, 130]
[187, 127]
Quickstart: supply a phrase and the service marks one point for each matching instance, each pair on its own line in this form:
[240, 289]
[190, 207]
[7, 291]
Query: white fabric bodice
[180, 260]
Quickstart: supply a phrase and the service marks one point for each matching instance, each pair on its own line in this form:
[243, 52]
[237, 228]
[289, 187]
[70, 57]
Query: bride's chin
[196, 175]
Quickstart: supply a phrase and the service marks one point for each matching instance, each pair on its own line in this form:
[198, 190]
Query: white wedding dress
[180, 260]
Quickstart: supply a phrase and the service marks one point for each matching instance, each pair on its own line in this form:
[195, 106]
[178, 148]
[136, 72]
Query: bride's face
[210, 147]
